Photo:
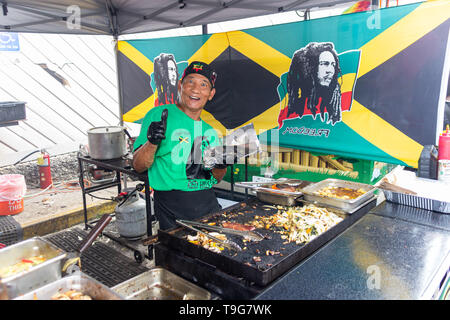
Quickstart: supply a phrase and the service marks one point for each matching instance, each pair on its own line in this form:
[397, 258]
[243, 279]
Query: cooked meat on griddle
[237, 226]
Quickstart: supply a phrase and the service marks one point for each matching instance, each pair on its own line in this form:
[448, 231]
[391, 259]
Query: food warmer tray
[38, 275]
[343, 204]
[160, 284]
[77, 281]
[266, 193]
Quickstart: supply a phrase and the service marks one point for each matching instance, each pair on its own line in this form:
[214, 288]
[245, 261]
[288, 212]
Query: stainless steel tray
[77, 281]
[277, 198]
[160, 284]
[338, 211]
[346, 205]
[266, 193]
[37, 276]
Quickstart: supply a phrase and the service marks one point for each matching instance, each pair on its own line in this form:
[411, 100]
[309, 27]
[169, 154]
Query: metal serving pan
[160, 284]
[277, 198]
[346, 205]
[266, 193]
[36, 276]
[77, 281]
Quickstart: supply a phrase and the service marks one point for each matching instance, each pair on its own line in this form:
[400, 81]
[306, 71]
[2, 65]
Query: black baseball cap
[201, 68]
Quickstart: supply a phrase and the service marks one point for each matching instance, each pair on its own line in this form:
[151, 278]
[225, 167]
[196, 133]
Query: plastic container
[444, 144]
[12, 191]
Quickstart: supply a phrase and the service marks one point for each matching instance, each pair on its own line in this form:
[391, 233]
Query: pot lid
[108, 129]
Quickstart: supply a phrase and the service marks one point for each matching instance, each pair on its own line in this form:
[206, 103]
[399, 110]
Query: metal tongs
[226, 243]
[250, 235]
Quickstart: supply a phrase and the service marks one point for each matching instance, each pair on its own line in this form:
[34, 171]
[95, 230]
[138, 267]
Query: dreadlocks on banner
[364, 85]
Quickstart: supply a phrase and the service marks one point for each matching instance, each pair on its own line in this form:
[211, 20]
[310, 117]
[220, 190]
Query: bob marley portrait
[312, 84]
[166, 78]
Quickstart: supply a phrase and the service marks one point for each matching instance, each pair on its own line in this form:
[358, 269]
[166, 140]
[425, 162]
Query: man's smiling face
[195, 91]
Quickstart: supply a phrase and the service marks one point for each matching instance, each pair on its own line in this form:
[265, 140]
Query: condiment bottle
[444, 156]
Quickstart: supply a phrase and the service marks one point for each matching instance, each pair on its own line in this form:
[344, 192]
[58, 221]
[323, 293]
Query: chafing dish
[160, 284]
[268, 191]
[309, 194]
[77, 281]
[36, 276]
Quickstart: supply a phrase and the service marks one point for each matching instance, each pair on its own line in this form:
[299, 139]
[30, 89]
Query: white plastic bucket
[12, 191]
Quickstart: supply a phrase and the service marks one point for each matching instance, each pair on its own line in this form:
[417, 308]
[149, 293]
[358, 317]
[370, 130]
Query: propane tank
[131, 216]
[444, 155]
[45, 175]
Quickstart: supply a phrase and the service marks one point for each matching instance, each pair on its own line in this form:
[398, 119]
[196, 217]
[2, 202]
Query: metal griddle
[241, 264]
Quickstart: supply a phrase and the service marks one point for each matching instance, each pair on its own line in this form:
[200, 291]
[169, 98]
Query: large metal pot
[107, 142]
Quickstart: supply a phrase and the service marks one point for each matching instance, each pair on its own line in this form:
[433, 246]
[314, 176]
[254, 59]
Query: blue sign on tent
[9, 41]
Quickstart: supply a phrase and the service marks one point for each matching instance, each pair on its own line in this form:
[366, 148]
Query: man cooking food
[170, 146]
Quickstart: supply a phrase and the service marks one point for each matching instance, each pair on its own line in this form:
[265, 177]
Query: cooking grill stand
[230, 278]
[120, 166]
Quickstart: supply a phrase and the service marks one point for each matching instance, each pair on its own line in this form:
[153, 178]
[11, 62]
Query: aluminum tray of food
[160, 284]
[281, 191]
[341, 194]
[30, 264]
[78, 286]
[301, 201]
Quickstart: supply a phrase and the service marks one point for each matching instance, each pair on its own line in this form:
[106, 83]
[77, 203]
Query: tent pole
[119, 94]
[119, 87]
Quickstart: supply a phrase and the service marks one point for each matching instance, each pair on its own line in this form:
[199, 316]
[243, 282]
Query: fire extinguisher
[45, 175]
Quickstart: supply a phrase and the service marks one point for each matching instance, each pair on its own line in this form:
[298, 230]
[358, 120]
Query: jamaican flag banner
[365, 85]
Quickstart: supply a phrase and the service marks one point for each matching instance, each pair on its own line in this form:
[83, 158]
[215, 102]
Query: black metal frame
[119, 166]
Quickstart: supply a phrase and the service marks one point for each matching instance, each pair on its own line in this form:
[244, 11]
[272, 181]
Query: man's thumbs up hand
[157, 129]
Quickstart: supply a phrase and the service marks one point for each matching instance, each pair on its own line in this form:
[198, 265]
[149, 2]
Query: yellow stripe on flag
[347, 82]
[260, 52]
[213, 122]
[382, 134]
[139, 111]
[402, 34]
[136, 56]
[211, 49]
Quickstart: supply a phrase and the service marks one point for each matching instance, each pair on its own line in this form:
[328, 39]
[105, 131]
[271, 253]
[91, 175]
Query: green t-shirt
[178, 160]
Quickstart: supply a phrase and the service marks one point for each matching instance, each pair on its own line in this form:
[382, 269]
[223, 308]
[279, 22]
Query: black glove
[157, 129]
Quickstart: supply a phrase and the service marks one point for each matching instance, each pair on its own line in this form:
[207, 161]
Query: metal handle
[93, 234]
